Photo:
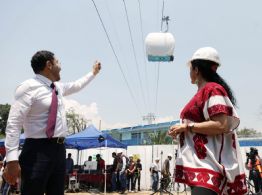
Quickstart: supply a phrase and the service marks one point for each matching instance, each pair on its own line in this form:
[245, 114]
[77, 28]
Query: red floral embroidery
[203, 177]
[190, 176]
[200, 141]
[234, 141]
[238, 187]
[216, 181]
[216, 109]
[181, 139]
[179, 173]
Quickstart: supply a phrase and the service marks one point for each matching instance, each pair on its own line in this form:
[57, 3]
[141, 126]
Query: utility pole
[150, 117]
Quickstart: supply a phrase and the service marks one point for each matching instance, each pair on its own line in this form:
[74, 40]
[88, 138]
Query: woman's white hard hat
[206, 53]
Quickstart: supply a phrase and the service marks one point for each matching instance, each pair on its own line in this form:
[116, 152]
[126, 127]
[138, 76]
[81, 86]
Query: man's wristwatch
[190, 127]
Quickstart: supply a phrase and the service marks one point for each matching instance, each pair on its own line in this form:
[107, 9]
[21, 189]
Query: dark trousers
[122, 180]
[255, 176]
[130, 182]
[42, 164]
[203, 191]
[155, 179]
[137, 178]
[114, 181]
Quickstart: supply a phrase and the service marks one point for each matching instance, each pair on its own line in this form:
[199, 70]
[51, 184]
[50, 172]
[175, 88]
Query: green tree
[160, 137]
[4, 112]
[75, 122]
[246, 132]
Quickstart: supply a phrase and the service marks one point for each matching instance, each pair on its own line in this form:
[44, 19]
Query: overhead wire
[134, 53]
[117, 59]
[158, 65]
[120, 49]
[157, 83]
[144, 55]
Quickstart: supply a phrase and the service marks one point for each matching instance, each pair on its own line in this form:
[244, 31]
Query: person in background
[253, 164]
[2, 183]
[166, 171]
[209, 158]
[100, 164]
[39, 110]
[121, 169]
[69, 164]
[87, 161]
[154, 170]
[137, 174]
[114, 173]
[131, 166]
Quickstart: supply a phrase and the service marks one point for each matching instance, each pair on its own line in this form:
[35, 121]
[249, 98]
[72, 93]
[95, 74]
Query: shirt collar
[43, 79]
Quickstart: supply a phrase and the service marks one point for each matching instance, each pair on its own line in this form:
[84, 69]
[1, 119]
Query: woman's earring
[196, 81]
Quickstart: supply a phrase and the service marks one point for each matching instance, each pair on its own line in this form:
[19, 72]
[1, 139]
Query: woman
[209, 159]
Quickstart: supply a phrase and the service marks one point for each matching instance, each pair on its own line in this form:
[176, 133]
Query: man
[166, 171]
[69, 164]
[39, 110]
[121, 169]
[100, 164]
[114, 178]
[154, 170]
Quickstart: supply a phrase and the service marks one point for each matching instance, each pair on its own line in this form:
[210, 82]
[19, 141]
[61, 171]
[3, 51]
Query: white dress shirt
[31, 108]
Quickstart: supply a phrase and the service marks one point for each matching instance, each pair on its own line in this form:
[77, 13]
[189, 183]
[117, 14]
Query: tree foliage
[247, 132]
[160, 137]
[4, 112]
[75, 122]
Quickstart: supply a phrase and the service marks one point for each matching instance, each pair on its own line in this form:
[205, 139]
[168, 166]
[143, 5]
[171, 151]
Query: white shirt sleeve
[124, 164]
[17, 114]
[75, 86]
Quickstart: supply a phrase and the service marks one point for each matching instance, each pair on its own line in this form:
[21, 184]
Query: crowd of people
[125, 173]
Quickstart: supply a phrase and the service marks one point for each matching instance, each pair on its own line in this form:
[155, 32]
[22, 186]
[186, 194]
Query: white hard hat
[157, 158]
[206, 53]
[169, 154]
[130, 155]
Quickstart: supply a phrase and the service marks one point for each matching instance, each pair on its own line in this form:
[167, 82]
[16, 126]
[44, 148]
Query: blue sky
[72, 30]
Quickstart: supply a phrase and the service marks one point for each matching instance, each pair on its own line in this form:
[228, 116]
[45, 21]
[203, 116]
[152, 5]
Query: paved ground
[131, 193]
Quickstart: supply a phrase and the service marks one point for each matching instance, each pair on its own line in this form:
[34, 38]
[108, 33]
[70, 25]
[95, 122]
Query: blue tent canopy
[92, 138]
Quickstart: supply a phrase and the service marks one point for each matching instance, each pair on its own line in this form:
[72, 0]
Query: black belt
[57, 140]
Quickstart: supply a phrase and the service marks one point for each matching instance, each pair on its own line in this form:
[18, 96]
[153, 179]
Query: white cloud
[91, 114]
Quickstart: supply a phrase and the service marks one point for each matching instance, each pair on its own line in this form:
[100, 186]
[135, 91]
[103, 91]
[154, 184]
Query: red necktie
[52, 113]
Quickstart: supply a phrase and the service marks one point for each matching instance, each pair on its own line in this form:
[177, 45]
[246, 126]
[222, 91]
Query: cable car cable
[119, 65]
[158, 67]
[133, 47]
[144, 53]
